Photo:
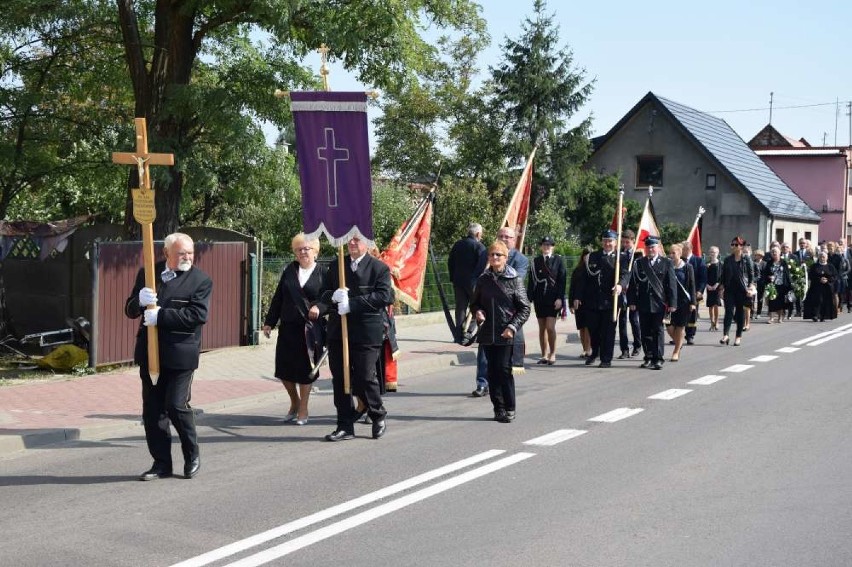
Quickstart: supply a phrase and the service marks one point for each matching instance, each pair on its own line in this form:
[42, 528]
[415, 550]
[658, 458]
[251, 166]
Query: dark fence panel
[118, 264]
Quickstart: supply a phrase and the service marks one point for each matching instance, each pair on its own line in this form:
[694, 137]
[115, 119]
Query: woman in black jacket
[501, 307]
[686, 299]
[737, 288]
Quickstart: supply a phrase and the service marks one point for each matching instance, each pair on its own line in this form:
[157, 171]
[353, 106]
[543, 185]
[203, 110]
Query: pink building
[819, 175]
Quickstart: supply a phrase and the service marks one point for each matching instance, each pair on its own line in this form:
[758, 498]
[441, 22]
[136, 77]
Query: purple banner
[334, 164]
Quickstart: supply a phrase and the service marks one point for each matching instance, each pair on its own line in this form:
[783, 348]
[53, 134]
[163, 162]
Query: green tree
[538, 89]
[458, 203]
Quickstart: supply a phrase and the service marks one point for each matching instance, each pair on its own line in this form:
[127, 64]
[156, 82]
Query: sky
[724, 57]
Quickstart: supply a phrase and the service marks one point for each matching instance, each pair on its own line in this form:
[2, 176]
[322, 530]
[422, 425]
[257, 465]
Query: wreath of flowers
[798, 273]
[771, 291]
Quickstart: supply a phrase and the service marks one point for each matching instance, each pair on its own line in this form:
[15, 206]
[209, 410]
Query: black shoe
[340, 435]
[590, 360]
[635, 351]
[624, 354]
[656, 366]
[379, 428]
[501, 416]
[480, 392]
[510, 414]
[645, 364]
[191, 467]
[155, 472]
[671, 342]
[690, 341]
[605, 365]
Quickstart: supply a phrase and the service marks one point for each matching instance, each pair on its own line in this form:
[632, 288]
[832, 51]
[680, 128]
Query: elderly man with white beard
[181, 298]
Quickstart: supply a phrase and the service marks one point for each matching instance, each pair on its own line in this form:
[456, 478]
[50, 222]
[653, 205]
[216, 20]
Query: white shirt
[354, 262]
[305, 274]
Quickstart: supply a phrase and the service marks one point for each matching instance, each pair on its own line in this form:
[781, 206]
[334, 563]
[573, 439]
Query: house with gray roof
[693, 159]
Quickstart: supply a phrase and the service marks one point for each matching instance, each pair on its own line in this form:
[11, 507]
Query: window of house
[779, 235]
[807, 235]
[794, 241]
[649, 171]
[710, 181]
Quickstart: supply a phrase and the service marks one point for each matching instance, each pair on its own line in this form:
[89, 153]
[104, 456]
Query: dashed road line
[787, 349]
[669, 394]
[555, 437]
[616, 415]
[829, 338]
[707, 380]
[737, 368]
[763, 358]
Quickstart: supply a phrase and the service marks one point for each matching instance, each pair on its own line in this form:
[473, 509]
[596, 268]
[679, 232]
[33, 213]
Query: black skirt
[292, 361]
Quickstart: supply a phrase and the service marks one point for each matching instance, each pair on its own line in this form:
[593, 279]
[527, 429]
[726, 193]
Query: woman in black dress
[819, 301]
[301, 336]
[777, 274]
[714, 277]
[579, 312]
[686, 302]
[737, 289]
[546, 290]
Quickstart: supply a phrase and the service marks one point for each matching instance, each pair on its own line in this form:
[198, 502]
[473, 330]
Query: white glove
[147, 296]
[343, 307]
[150, 316]
[340, 295]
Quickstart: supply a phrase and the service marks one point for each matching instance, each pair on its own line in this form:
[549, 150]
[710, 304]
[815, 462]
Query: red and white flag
[519, 207]
[647, 226]
[694, 237]
[407, 253]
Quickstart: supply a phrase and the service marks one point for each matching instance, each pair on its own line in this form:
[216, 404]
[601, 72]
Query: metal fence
[272, 268]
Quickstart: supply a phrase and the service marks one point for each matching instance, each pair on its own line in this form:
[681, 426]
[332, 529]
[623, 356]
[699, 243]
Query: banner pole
[615, 293]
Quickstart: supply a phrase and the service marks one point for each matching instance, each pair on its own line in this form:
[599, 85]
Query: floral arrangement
[771, 291]
[798, 276]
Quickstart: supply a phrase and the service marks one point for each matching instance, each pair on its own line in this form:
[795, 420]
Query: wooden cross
[145, 211]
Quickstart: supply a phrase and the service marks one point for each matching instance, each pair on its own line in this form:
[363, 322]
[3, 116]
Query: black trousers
[625, 316]
[734, 312]
[501, 382]
[602, 333]
[166, 402]
[653, 335]
[463, 295]
[362, 380]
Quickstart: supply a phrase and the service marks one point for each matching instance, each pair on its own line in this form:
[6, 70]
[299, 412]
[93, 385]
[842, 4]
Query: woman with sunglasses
[737, 288]
[501, 306]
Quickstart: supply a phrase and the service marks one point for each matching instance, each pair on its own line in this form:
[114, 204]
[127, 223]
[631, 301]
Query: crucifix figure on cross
[331, 154]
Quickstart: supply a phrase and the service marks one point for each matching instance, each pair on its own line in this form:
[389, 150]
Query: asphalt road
[750, 466]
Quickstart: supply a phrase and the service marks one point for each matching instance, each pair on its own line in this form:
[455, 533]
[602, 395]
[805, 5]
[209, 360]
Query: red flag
[519, 207]
[694, 237]
[614, 224]
[407, 254]
[647, 226]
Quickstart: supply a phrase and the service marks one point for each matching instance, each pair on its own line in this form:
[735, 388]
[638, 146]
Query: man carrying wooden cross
[181, 300]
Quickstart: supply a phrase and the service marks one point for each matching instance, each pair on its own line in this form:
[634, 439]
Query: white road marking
[669, 394]
[616, 415]
[763, 358]
[737, 368]
[829, 338]
[821, 335]
[332, 530]
[707, 380]
[555, 437]
[787, 349]
[263, 537]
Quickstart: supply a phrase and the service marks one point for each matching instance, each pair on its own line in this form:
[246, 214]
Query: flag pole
[341, 266]
[633, 256]
[615, 293]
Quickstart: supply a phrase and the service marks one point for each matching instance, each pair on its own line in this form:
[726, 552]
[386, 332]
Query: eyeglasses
[303, 250]
[735, 244]
[496, 254]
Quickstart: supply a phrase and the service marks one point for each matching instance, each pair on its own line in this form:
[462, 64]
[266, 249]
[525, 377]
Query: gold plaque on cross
[144, 209]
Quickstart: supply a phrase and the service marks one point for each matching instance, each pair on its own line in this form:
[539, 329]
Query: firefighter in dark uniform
[596, 288]
[653, 292]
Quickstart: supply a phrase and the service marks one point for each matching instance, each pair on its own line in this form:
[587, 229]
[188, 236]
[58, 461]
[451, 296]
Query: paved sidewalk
[38, 413]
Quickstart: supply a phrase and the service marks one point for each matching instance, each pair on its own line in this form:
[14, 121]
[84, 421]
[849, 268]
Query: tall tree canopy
[201, 72]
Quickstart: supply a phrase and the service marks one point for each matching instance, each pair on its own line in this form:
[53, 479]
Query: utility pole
[836, 118]
[849, 114]
[771, 95]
